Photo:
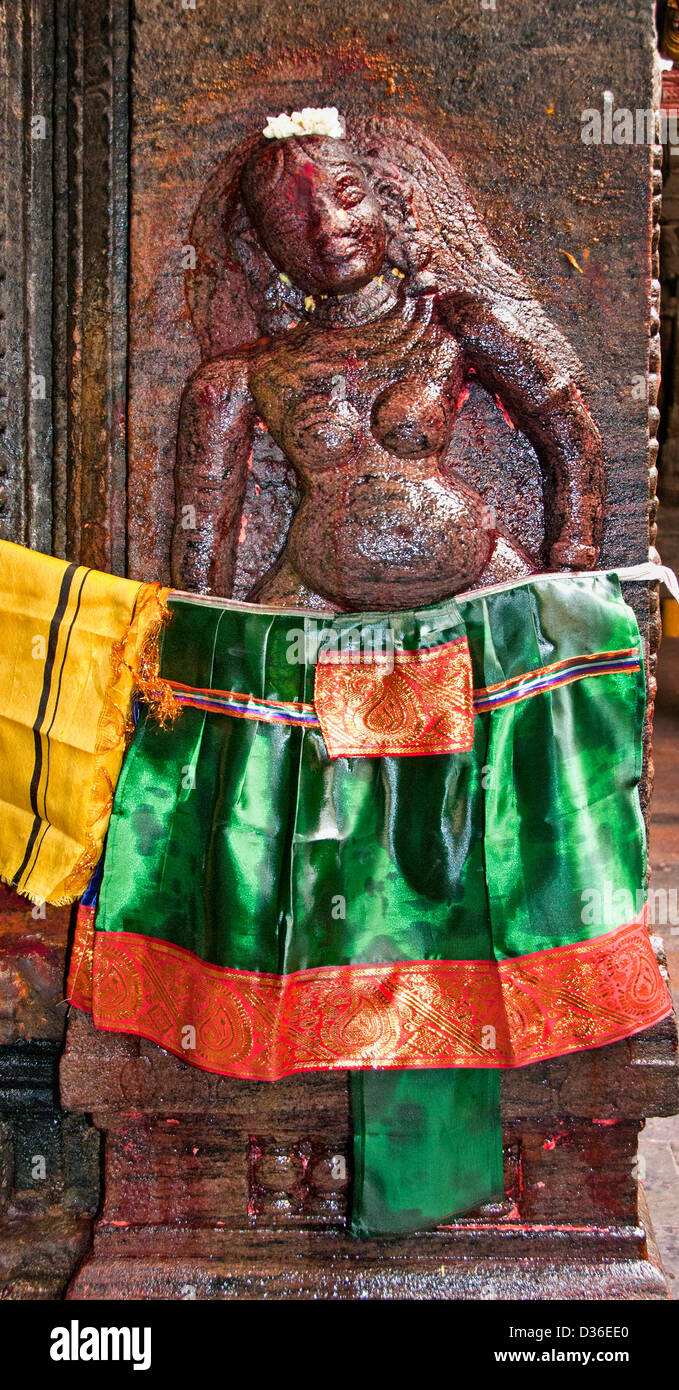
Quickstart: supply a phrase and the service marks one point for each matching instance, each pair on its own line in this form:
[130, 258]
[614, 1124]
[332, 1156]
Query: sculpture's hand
[568, 554]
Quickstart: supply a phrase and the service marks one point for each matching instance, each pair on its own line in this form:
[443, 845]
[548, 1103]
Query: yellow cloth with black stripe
[71, 642]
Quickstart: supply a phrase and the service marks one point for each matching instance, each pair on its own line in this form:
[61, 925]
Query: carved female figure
[368, 294]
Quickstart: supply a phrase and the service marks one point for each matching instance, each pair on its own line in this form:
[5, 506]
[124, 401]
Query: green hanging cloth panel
[427, 1144]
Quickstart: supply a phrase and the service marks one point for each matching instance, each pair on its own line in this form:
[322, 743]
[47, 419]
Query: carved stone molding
[27, 38]
[63, 258]
[93, 528]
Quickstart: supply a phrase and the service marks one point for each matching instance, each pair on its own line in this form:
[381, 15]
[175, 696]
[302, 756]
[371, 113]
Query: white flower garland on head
[312, 120]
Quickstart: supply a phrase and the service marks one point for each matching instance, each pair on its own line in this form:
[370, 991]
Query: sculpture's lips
[339, 250]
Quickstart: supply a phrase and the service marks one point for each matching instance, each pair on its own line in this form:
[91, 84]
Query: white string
[654, 574]
[649, 571]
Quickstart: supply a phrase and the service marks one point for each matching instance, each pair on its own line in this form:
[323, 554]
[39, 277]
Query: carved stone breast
[412, 419]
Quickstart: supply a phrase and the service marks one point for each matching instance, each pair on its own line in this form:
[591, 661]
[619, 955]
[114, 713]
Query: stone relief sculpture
[345, 294]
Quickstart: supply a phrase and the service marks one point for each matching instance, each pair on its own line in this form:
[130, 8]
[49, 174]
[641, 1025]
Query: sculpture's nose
[326, 213]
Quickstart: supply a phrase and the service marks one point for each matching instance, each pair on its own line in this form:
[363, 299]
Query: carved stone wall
[669, 426]
[543, 194]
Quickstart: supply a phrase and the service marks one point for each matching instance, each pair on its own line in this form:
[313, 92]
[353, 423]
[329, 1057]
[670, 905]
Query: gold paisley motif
[422, 704]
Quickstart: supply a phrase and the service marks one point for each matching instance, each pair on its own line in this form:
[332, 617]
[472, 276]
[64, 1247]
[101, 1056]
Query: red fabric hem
[404, 1014]
[233, 1072]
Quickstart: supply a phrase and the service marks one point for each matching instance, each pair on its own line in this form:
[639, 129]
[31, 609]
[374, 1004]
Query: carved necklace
[373, 301]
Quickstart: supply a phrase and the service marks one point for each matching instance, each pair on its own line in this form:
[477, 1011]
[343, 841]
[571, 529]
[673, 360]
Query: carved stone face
[316, 213]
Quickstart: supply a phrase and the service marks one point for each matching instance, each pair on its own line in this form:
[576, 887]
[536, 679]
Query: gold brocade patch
[413, 704]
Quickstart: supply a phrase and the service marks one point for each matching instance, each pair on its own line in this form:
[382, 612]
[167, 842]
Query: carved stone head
[316, 213]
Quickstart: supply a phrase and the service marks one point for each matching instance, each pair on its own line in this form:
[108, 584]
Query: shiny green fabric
[244, 843]
[426, 1144]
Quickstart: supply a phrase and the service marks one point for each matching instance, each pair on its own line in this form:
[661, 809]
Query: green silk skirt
[419, 921]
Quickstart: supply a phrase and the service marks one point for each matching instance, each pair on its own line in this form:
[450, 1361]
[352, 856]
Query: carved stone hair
[434, 237]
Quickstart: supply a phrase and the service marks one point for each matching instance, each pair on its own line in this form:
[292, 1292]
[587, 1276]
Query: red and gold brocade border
[79, 983]
[403, 1014]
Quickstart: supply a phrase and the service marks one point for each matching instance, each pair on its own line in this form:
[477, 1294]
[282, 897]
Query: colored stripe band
[488, 698]
[245, 706]
[550, 678]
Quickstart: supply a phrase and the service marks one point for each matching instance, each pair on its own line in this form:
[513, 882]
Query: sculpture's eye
[350, 193]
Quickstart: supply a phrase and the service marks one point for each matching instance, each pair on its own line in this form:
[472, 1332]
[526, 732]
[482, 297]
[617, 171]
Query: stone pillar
[49, 1161]
[217, 1188]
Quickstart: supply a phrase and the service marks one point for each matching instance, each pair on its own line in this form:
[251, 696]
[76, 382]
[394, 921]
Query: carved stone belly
[390, 542]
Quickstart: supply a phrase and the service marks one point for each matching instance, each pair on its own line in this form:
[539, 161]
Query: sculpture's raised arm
[215, 436]
[516, 356]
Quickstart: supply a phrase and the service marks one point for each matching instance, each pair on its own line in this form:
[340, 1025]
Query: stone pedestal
[224, 1189]
[49, 1160]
